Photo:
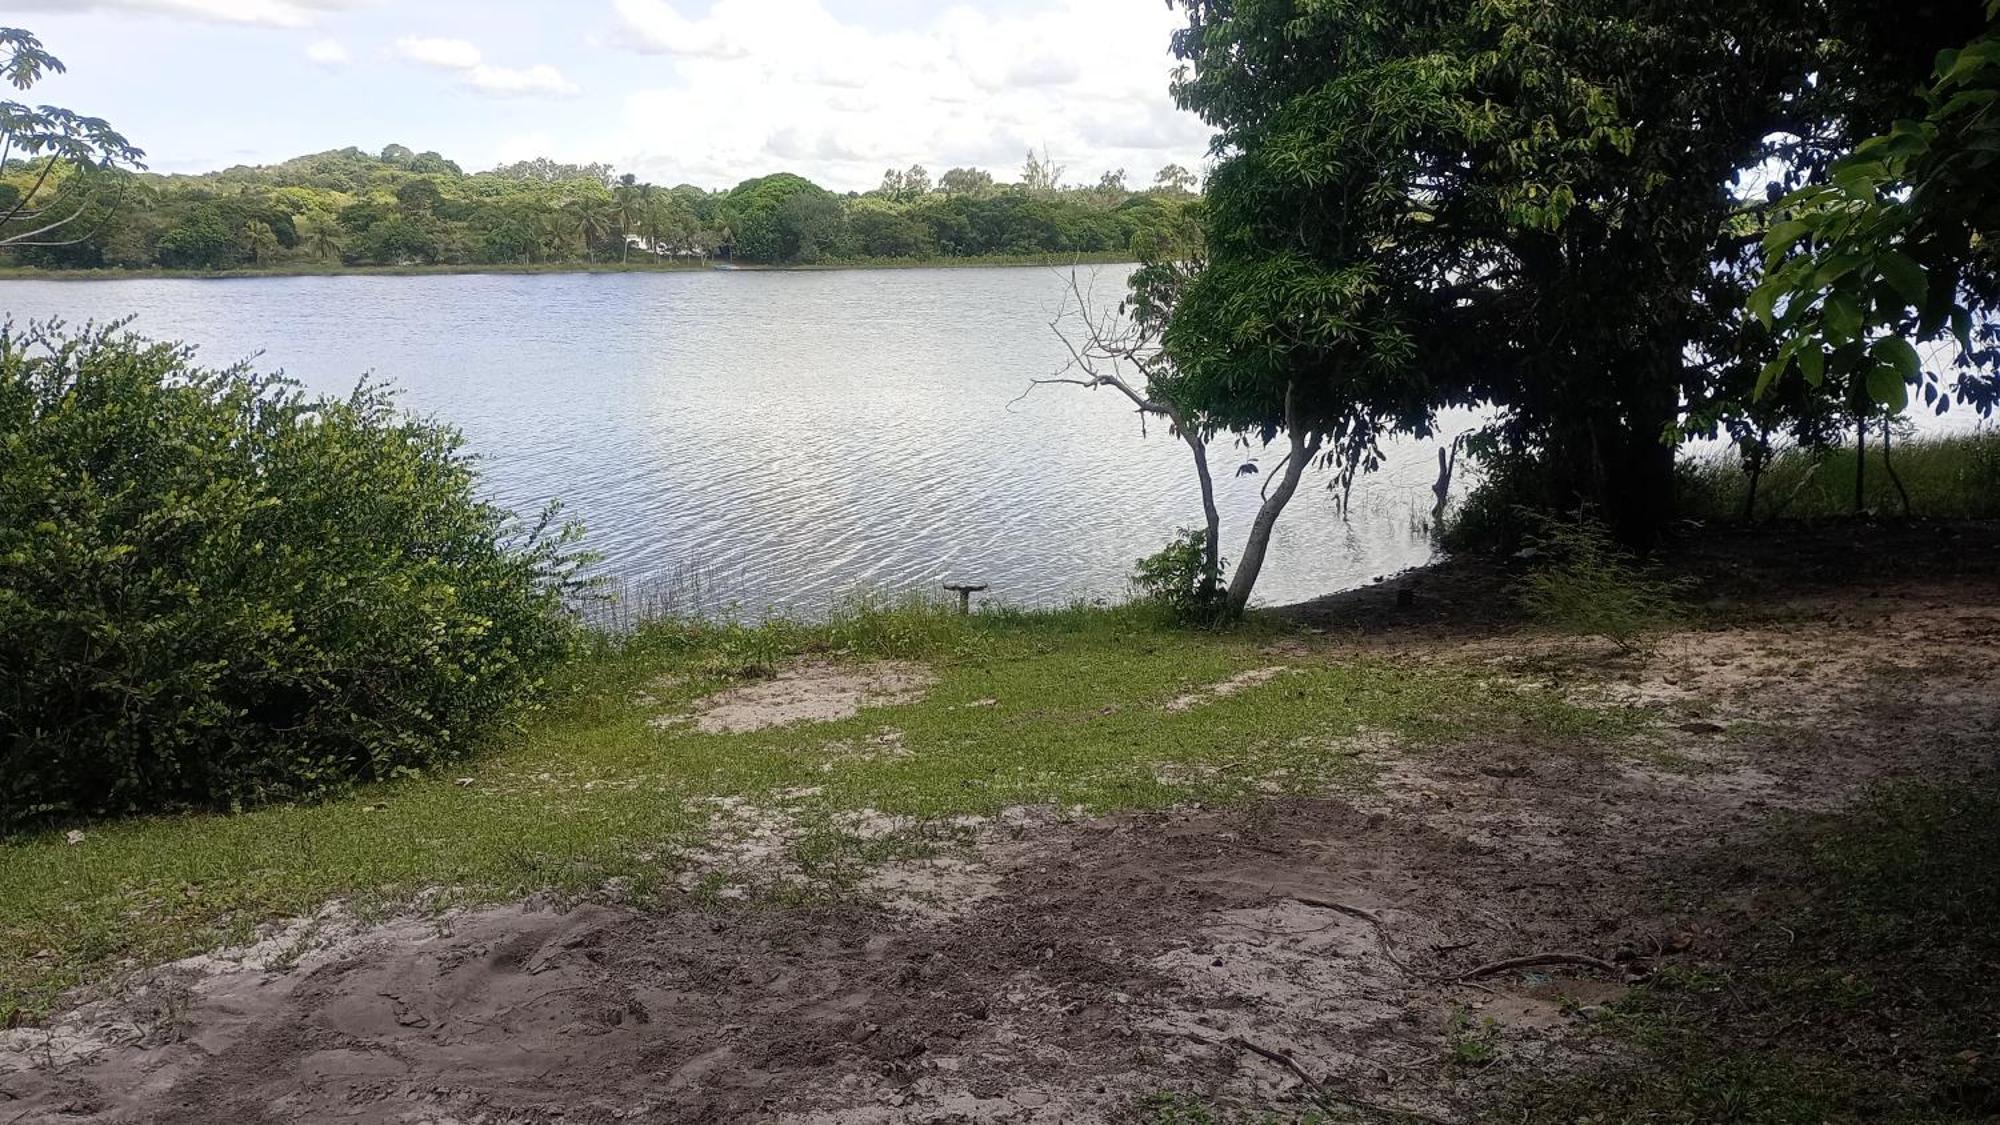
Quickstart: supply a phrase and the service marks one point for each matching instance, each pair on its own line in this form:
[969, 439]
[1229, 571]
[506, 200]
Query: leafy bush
[1495, 515]
[1585, 584]
[1176, 578]
[215, 590]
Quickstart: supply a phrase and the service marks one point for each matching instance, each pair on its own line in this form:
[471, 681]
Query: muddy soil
[1065, 969]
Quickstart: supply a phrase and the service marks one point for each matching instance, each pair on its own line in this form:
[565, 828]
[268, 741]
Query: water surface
[789, 436]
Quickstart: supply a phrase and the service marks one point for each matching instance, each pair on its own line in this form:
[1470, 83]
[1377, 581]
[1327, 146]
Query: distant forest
[402, 208]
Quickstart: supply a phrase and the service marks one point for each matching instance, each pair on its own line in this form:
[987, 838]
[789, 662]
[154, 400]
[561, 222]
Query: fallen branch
[1368, 916]
[1535, 959]
[1329, 1099]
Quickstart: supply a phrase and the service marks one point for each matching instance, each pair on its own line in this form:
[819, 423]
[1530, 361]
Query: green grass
[1864, 988]
[306, 268]
[1947, 478]
[591, 791]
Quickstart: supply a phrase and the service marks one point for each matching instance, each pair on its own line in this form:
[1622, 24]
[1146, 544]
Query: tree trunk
[1211, 558]
[1635, 485]
[1760, 457]
[1889, 467]
[1860, 463]
[1247, 568]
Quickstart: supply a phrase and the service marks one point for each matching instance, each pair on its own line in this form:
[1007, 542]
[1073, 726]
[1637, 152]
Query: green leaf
[1769, 375]
[1971, 59]
[1760, 301]
[1887, 388]
[1899, 354]
[1834, 268]
[1967, 99]
[1904, 275]
[1843, 316]
[1812, 361]
[1785, 234]
[1859, 177]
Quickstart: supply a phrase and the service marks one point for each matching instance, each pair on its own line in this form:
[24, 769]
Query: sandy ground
[1064, 967]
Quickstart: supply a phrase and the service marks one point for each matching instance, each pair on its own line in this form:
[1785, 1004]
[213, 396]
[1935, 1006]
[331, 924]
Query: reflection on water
[788, 436]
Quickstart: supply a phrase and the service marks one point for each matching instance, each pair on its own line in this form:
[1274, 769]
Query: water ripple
[793, 436]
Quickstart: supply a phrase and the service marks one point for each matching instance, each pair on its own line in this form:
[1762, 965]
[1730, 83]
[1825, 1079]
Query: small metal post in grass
[965, 592]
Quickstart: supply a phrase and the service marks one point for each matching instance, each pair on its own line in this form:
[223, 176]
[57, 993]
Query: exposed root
[1329, 1099]
[1535, 959]
[1368, 916]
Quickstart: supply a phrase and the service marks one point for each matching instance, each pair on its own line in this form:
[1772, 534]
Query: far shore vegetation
[659, 265]
[411, 211]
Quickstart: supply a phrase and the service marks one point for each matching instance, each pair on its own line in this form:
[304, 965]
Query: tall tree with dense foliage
[1528, 203]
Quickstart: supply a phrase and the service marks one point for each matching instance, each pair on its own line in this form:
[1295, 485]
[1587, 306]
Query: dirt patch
[1057, 970]
[808, 692]
[1234, 685]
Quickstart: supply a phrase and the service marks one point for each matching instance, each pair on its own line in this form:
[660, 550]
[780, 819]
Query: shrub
[1585, 584]
[1176, 579]
[215, 590]
[1493, 516]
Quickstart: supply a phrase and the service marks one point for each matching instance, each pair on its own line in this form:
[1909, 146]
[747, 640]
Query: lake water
[788, 437]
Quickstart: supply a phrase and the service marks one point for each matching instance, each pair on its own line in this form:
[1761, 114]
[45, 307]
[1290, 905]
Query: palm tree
[626, 200]
[594, 222]
[652, 215]
[562, 227]
[322, 235]
[260, 238]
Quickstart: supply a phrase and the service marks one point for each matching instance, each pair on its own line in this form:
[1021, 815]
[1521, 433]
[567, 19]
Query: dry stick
[1368, 916]
[1532, 960]
[1326, 1098]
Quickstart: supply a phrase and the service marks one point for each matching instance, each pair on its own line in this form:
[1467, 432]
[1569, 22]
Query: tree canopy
[1550, 206]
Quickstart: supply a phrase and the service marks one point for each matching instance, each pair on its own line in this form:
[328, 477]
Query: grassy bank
[318, 269]
[1946, 478]
[1064, 709]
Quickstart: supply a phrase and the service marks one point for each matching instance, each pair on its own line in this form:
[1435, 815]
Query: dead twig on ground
[1368, 916]
[1535, 959]
[1329, 1099]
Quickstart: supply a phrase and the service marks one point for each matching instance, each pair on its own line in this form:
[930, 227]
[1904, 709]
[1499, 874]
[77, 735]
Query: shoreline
[33, 273]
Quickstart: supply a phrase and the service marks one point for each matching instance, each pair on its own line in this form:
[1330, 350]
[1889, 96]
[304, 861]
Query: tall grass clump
[1954, 477]
[1584, 583]
[215, 590]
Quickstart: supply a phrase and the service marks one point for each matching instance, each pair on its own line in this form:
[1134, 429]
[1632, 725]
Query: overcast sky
[701, 91]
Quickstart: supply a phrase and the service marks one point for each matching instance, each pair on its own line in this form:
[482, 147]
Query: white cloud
[269, 13]
[654, 27]
[327, 52]
[458, 55]
[538, 79]
[761, 85]
[446, 54]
